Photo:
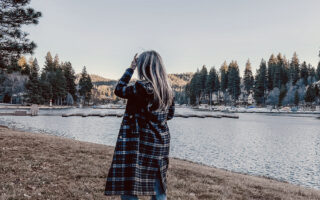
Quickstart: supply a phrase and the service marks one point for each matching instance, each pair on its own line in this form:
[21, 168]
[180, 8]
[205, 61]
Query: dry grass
[39, 166]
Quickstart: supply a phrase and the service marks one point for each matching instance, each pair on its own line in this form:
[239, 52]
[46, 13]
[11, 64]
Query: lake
[282, 146]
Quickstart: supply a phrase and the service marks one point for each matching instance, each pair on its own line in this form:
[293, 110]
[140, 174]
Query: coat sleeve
[124, 90]
[171, 110]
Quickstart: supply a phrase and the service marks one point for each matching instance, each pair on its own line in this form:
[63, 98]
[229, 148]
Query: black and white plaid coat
[142, 148]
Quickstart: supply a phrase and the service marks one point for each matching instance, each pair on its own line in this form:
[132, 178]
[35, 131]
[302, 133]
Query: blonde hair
[151, 68]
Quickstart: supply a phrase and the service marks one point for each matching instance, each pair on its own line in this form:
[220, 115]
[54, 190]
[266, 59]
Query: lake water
[282, 146]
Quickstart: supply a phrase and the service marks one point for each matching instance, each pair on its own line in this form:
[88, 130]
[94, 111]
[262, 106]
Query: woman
[141, 155]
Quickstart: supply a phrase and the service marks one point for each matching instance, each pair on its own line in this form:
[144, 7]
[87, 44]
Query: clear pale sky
[104, 35]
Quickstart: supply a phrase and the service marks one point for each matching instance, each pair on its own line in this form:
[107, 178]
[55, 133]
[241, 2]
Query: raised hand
[134, 62]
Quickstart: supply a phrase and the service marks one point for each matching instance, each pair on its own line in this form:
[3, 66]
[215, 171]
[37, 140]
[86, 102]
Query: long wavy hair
[150, 67]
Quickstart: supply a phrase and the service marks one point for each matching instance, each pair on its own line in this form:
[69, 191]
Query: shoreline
[259, 111]
[43, 166]
[236, 111]
[41, 107]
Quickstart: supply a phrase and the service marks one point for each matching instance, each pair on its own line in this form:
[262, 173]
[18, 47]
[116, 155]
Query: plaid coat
[142, 148]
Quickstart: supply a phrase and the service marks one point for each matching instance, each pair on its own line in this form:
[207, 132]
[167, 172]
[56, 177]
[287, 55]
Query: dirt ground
[40, 166]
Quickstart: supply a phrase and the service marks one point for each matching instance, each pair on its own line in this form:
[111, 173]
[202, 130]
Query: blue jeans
[160, 194]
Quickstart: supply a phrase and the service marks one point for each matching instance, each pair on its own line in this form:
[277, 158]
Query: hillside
[98, 80]
[180, 80]
[103, 87]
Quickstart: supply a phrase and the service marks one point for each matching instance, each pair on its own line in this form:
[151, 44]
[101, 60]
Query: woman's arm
[122, 89]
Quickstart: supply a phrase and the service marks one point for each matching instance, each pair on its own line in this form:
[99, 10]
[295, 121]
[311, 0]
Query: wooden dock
[176, 115]
[187, 115]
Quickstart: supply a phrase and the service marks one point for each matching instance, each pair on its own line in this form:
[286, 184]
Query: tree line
[55, 83]
[277, 82]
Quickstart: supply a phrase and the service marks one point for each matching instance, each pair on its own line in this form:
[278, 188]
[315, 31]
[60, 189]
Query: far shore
[203, 107]
[19, 106]
[42, 166]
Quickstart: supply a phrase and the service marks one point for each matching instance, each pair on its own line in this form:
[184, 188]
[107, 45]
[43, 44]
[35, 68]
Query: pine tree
[212, 84]
[217, 84]
[48, 65]
[272, 64]
[234, 80]
[294, 69]
[283, 92]
[25, 68]
[56, 64]
[187, 91]
[280, 72]
[304, 73]
[34, 94]
[14, 42]
[58, 84]
[310, 94]
[54, 81]
[311, 74]
[260, 86]
[318, 72]
[70, 77]
[317, 92]
[2, 86]
[22, 61]
[285, 72]
[224, 77]
[195, 88]
[13, 66]
[276, 77]
[46, 88]
[248, 79]
[212, 80]
[85, 85]
[296, 98]
[203, 79]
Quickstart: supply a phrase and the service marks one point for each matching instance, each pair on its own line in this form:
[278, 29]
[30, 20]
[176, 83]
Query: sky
[104, 35]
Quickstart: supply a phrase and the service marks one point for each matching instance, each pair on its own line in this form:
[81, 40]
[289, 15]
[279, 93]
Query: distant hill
[104, 87]
[178, 83]
[98, 80]
[180, 80]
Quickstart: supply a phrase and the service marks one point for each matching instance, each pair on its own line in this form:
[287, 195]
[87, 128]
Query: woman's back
[150, 105]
